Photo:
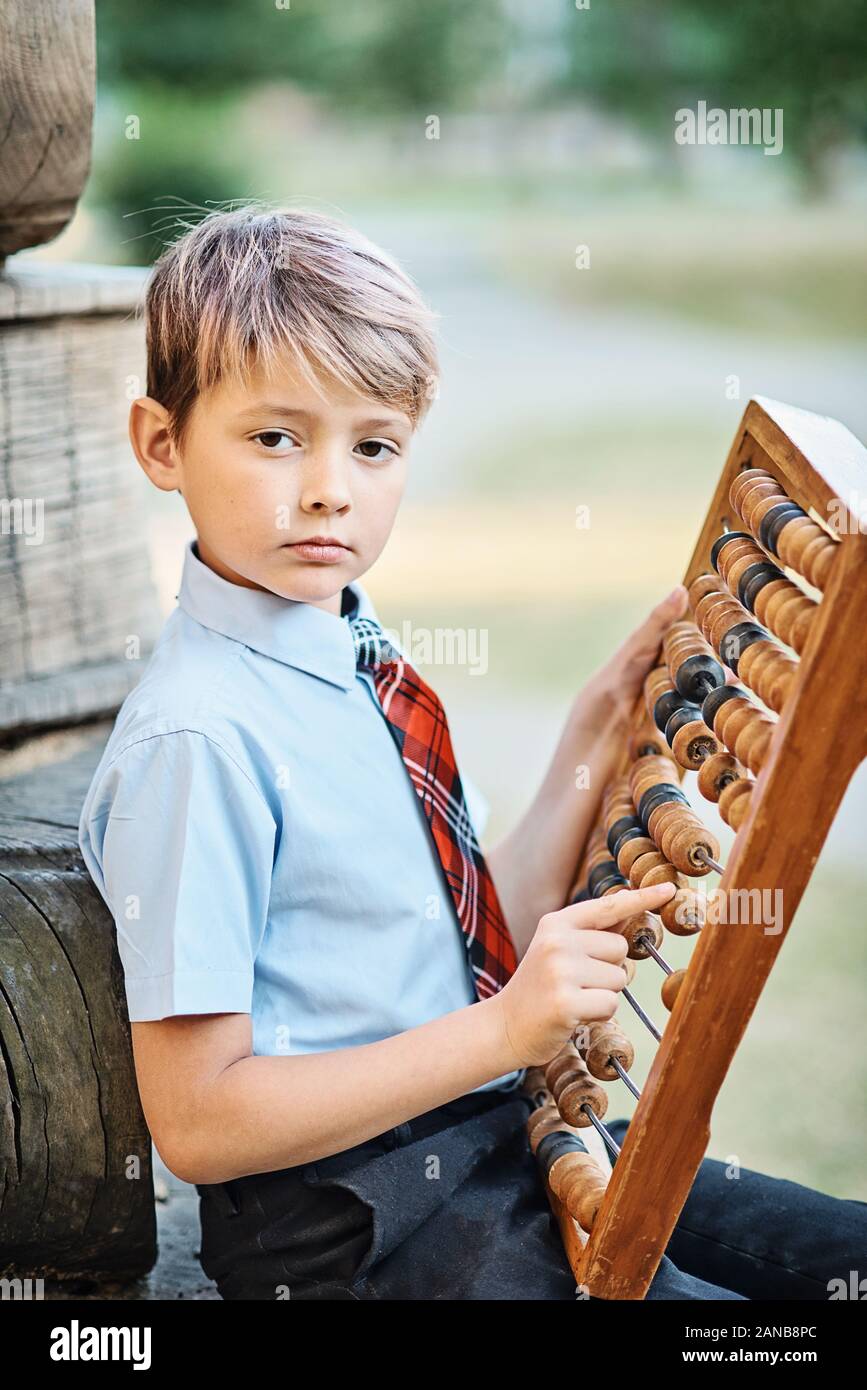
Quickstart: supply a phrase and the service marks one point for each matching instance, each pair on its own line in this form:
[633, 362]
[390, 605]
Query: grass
[799, 274]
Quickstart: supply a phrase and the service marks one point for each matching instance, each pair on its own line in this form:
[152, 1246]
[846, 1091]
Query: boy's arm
[534, 866]
[216, 1112]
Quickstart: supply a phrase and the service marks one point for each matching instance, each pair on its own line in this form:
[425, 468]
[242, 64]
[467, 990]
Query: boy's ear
[151, 439]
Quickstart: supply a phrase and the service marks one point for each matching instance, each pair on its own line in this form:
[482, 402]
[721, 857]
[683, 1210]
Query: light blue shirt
[256, 836]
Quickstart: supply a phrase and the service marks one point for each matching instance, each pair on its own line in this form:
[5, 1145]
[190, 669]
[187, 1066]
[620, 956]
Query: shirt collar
[298, 634]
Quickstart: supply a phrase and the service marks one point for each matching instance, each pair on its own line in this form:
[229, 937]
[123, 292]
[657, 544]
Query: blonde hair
[246, 287]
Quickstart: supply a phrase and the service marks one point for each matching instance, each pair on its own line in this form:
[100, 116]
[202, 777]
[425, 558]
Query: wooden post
[78, 616]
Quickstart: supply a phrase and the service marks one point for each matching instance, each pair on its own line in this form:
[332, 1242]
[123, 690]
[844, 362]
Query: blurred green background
[715, 273]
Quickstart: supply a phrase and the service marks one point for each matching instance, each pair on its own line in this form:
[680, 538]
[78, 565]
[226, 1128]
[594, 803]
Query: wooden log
[76, 1186]
[46, 112]
[78, 610]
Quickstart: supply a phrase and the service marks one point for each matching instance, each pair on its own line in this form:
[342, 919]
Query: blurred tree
[382, 54]
[184, 69]
[649, 57]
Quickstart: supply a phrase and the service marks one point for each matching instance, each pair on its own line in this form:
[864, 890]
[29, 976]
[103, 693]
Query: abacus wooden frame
[820, 740]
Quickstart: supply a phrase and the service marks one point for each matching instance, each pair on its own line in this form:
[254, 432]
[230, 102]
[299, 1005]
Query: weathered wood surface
[78, 610]
[76, 1187]
[48, 59]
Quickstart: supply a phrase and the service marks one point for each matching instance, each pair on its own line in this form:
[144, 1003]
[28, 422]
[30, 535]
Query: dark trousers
[452, 1206]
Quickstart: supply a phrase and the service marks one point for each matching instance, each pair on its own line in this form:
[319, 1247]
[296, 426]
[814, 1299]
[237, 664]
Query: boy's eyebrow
[275, 408]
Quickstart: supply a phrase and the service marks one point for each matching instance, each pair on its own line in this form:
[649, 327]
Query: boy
[332, 993]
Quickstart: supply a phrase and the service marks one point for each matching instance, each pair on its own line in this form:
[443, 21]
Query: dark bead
[622, 824]
[687, 714]
[717, 698]
[624, 839]
[774, 520]
[665, 707]
[754, 578]
[604, 873]
[555, 1145]
[697, 675]
[723, 540]
[657, 796]
[736, 641]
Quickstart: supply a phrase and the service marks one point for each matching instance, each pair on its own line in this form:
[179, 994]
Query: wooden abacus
[778, 610]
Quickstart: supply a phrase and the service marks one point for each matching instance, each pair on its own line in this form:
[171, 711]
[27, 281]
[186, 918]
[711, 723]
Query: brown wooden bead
[646, 740]
[733, 795]
[603, 1041]
[544, 1120]
[822, 566]
[684, 915]
[574, 1096]
[671, 988]
[643, 864]
[563, 1062]
[586, 1192]
[662, 873]
[716, 774]
[693, 744]
[631, 851]
[752, 742]
[641, 925]
[534, 1080]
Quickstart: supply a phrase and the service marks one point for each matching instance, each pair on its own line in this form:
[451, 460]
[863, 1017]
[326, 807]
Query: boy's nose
[325, 480]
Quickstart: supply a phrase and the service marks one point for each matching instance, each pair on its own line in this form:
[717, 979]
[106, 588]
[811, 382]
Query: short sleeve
[477, 805]
[180, 842]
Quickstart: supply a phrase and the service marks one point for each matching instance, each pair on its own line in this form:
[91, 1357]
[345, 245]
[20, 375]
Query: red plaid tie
[420, 729]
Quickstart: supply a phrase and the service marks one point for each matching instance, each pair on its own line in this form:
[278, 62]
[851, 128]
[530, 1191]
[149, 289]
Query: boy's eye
[271, 439]
[372, 449]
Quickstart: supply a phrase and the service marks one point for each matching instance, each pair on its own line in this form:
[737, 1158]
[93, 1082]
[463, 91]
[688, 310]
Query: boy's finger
[617, 907]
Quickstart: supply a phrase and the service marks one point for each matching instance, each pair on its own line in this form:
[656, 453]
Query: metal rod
[600, 1128]
[702, 854]
[625, 1077]
[645, 941]
[648, 1023]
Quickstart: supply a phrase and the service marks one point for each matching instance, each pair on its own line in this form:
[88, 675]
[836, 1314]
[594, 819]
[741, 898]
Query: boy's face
[265, 465]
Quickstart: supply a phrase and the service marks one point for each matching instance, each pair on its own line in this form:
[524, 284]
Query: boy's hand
[572, 972]
[620, 681]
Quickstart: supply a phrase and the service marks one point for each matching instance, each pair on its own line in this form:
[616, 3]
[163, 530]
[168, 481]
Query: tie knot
[372, 647]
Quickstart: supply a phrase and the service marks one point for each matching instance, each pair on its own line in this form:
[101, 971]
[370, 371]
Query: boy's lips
[319, 548]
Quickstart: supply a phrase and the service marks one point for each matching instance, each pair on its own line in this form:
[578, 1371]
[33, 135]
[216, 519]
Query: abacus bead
[645, 740]
[640, 925]
[583, 1091]
[604, 1045]
[736, 795]
[545, 1120]
[822, 566]
[534, 1080]
[632, 851]
[720, 765]
[643, 864]
[693, 744]
[684, 914]
[663, 872]
[671, 988]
